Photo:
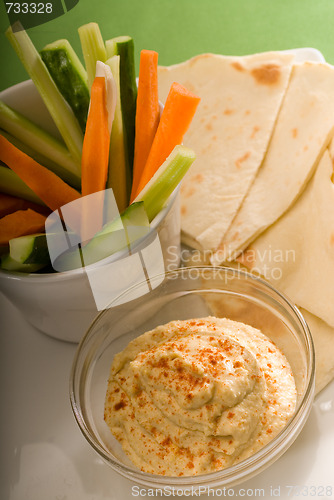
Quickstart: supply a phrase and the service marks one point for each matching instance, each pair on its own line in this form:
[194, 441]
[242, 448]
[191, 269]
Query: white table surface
[44, 456]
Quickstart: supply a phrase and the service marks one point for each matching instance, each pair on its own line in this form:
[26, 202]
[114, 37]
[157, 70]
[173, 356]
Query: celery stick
[60, 111]
[118, 174]
[10, 183]
[165, 180]
[93, 48]
[55, 154]
[72, 179]
[124, 47]
[70, 77]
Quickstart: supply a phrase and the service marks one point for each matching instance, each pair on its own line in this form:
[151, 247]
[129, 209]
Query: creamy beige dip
[196, 396]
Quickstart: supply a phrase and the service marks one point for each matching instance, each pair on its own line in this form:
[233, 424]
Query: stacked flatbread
[264, 177]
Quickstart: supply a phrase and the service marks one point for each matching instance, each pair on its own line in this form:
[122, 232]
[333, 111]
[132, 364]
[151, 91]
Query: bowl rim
[238, 471]
[75, 273]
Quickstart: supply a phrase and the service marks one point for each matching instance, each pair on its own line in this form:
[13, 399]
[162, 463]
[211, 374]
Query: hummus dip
[196, 396]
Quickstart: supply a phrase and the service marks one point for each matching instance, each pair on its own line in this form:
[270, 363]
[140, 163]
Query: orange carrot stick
[10, 204]
[147, 113]
[176, 117]
[20, 223]
[95, 150]
[48, 186]
[95, 158]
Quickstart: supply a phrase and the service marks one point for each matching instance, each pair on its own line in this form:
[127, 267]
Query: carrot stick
[147, 113]
[95, 151]
[10, 204]
[48, 186]
[176, 117]
[20, 223]
[95, 159]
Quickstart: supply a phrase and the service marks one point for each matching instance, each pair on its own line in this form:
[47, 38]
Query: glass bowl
[190, 292]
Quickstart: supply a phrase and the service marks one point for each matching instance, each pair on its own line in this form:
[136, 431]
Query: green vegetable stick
[118, 170]
[60, 111]
[70, 77]
[36, 142]
[159, 188]
[10, 183]
[71, 178]
[124, 47]
[93, 48]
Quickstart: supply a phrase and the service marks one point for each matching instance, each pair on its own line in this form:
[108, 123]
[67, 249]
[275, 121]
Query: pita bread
[296, 254]
[302, 132]
[323, 339]
[240, 100]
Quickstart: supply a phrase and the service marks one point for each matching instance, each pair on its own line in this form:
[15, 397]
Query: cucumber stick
[27, 254]
[159, 188]
[93, 48]
[124, 47]
[36, 142]
[10, 183]
[9, 264]
[60, 111]
[70, 77]
[118, 169]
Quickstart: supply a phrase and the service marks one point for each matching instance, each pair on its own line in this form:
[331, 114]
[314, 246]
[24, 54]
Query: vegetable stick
[20, 223]
[47, 185]
[176, 117]
[10, 204]
[159, 188]
[93, 48]
[55, 154]
[147, 114]
[124, 47]
[70, 77]
[95, 151]
[95, 157]
[60, 111]
[11, 183]
[104, 70]
[118, 169]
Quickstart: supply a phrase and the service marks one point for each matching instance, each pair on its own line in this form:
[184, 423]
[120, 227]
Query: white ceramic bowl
[183, 294]
[62, 304]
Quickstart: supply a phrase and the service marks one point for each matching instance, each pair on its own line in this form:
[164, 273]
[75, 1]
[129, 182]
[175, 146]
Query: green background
[179, 29]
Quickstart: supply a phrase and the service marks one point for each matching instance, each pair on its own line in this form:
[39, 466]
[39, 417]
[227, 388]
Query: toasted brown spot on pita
[236, 65]
[197, 178]
[208, 126]
[243, 158]
[247, 112]
[214, 137]
[331, 241]
[255, 130]
[294, 132]
[188, 192]
[228, 111]
[305, 147]
[267, 74]
[183, 210]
